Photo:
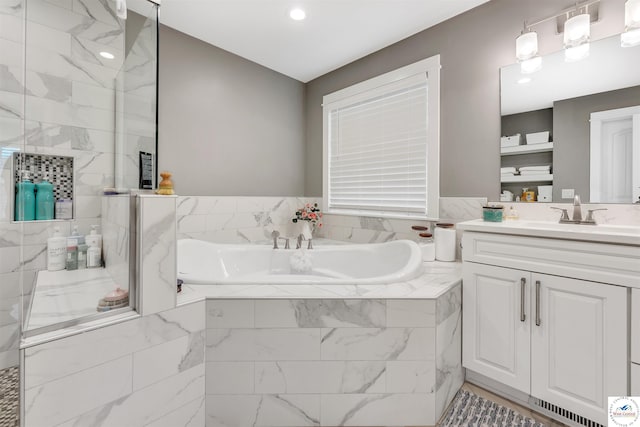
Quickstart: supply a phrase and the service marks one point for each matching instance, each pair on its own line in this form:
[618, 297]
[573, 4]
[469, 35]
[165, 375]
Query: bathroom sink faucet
[577, 210]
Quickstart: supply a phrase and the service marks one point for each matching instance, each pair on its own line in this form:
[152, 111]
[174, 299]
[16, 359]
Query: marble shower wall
[238, 219]
[148, 371]
[56, 97]
[332, 362]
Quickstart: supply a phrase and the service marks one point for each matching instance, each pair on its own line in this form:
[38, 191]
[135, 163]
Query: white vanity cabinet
[540, 317]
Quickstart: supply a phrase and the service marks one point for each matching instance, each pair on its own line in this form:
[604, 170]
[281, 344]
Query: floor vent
[567, 415]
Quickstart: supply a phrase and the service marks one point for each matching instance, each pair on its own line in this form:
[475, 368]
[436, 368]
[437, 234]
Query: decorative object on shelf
[527, 195]
[510, 141]
[537, 138]
[165, 187]
[445, 237]
[492, 213]
[311, 213]
[545, 193]
[506, 196]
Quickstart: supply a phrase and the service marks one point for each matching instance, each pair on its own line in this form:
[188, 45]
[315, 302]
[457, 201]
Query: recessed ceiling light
[524, 80]
[297, 14]
[107, 55]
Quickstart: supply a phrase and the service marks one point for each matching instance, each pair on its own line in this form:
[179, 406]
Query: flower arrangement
[310, 212]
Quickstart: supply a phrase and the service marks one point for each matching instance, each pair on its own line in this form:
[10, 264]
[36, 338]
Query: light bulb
[527, 46]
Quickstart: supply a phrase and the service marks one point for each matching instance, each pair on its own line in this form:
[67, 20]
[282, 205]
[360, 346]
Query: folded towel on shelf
[545, 168]
[508, 170]
[536, 176]
[527, 173]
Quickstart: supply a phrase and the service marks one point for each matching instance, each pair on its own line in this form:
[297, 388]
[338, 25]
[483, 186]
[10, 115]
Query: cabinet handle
[523, 282]
[537, 303]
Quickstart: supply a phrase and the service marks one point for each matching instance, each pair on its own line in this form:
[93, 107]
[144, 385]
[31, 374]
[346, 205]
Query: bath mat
[471, 410]
[9, 402]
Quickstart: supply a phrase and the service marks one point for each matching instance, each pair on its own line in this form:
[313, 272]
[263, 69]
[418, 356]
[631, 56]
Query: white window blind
[377, 150]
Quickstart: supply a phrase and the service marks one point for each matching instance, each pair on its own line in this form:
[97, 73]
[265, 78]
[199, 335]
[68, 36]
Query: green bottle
[25, 209]
[45, 201]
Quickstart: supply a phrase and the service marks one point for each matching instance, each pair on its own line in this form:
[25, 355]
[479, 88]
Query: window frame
[429, 67]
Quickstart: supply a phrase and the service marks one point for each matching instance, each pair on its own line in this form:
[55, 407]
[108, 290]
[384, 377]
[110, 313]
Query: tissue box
[510, 141]
[537, 137]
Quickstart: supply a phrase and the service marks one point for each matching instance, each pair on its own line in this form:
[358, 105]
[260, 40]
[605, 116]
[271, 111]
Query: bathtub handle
[310, 246]
[286, 242]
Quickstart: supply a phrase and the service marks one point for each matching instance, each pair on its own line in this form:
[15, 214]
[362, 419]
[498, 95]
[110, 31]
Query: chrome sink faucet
[275, 234]
[577, 210]
[576, 217]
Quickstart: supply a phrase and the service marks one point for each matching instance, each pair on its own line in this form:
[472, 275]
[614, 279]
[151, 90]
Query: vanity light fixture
[527, 51]
[631, 35]
[297, 14]
[107, 55]
[577, 33]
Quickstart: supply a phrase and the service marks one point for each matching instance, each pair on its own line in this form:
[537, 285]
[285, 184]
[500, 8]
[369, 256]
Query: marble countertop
[436, 279]
[601, 233]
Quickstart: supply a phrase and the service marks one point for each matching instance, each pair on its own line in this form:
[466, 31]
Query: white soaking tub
[201, 262]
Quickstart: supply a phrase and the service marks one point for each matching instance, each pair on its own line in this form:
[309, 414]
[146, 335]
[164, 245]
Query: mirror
[591, 111]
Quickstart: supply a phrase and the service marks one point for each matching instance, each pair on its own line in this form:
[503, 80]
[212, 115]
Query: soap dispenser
[25, 208]
[45, 201]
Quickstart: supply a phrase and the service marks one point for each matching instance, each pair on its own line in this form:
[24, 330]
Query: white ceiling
[335, 32]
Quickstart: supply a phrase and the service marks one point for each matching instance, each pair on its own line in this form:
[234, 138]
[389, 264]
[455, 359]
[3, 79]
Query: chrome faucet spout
[299, 240]
[577, 209]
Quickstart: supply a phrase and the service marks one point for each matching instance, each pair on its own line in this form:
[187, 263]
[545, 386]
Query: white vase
[304, 228]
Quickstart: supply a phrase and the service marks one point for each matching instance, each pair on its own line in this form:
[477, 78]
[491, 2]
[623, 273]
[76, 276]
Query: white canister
[445, 237]
[427, 246]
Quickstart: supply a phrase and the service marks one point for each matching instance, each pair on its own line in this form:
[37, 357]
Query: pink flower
[320, 224]
[304, 214]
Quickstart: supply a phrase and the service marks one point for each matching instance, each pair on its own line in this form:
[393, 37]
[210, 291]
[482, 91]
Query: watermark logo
[624, 411]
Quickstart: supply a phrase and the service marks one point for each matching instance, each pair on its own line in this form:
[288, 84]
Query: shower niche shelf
[58, 170]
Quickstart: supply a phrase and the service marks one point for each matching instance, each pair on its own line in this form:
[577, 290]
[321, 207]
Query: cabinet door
[496, 323]
[579, 350]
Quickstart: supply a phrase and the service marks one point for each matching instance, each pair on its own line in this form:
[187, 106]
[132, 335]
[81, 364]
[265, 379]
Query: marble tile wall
[56, 97]
[238, 219]
[331, 362]
[157, 253]
[149, 371]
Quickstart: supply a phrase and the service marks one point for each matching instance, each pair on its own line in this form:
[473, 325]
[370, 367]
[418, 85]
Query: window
[381, 145]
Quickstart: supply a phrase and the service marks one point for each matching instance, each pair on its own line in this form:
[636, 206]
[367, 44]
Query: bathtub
[201, 262]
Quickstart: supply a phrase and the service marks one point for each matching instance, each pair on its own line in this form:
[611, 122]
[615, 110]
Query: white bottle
[94, 256]
[93, 238]
[56, 251]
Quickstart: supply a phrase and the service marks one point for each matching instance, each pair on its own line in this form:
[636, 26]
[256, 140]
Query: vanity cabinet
[536, 323]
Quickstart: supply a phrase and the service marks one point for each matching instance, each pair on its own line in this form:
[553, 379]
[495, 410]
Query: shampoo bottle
[93, 238]
[25, 209]
[72, 253]
[45, 201]
[56, 251]
[94, 256]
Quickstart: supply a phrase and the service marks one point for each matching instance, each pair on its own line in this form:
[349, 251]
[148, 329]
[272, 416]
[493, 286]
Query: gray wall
[227, 126]
[572, 128]
[473, 46]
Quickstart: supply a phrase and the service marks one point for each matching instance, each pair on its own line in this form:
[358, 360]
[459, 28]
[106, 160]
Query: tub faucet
[299, 240]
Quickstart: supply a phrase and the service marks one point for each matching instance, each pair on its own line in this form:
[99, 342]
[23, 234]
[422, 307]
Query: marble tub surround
[437, 279]
[155, 366]
[229, 219]
[157, 274]
[359, 362]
